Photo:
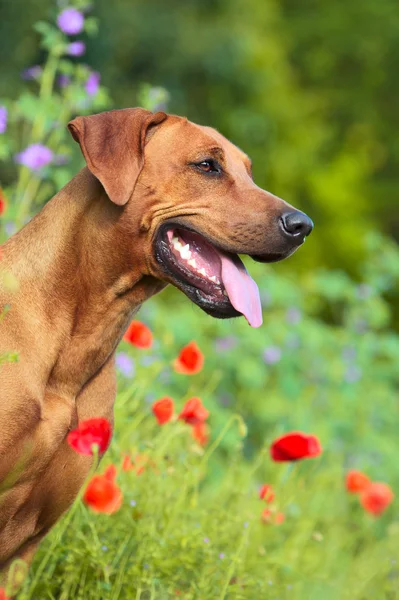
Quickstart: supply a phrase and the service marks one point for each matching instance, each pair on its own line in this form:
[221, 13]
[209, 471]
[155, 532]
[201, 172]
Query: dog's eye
[209, 166]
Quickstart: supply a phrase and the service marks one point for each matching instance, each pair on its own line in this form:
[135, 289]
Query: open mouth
[215, 280]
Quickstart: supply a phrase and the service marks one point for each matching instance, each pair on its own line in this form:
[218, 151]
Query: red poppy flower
[269, 516]
[138, 335]
[139, 463]
[190, 360]
[163, 410]
[200, 433]
[102, 493]
[3, 594]
[295, 446]
[266, 493]
[92, 431]
[376, 498]
[2, 210]
[356, 481]
[266, 515]
[279, 518]
[127, 464]
[194, 412]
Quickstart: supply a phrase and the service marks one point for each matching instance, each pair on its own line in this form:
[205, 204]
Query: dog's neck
[76, 268]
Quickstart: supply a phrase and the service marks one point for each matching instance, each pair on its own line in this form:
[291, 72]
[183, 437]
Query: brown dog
[162, 200]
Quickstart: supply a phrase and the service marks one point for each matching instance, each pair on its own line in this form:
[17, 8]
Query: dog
[161, 201]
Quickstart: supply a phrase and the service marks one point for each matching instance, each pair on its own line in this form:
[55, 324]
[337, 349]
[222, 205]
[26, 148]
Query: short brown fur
[85, 264]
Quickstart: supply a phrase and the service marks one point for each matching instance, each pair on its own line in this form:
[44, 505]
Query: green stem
[64, 525]
[233, 564]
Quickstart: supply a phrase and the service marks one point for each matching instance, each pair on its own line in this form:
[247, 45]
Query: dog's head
[191, 200]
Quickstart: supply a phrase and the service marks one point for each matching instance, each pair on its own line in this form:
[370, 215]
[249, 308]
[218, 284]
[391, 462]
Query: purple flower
[71, 21]
[206, 540]
[3, 119]
[35, 157]
[353, 374]
[33, 72]
[349, 353]
[93, 83]
[124, 364]
[76, 48]
[364, 291]
[221, 555]
[61, 159]
[225, 343]
[10, 228]
[265, 298]
[63, 80]
[272, 355]
[293, 315]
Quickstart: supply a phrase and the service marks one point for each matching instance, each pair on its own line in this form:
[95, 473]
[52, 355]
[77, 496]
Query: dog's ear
[113, 146]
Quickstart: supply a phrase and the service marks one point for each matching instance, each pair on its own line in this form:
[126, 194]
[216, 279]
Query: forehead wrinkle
[216, 135]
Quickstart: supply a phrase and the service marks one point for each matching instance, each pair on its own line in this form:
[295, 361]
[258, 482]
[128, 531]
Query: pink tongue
[242, 290]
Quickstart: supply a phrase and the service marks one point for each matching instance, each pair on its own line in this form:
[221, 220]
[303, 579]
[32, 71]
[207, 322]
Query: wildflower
[272, 355]
[279, 518]
[225, 343]
[266, 493]
[293, 315]
[190, 360]
[194, 412]
[35, 157]
[295, 446]
[138, 335]
[3, 594]
[3, 119]
[63, 80]
[32, 73]
[356, 481]
[266, 515]
[70, 21]
[127, 464]
[102, 493]
[124, 364]
[138, 464]
[163, 410]
[77, 48]
[92, 431]
[93, 83]
[353, 374]
[376, 498]
[2, 202]
[200, 433]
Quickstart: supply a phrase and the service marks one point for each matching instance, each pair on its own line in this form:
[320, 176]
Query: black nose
[296, 224]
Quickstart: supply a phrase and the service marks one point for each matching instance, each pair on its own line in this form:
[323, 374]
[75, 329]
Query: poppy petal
[295, 446]
[92, 431]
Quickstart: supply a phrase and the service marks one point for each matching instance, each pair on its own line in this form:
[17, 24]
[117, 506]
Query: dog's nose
[296, 224]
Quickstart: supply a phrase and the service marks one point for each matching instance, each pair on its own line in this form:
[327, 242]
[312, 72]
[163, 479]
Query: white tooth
[225, 293]
[185, 252]
[192, 263]
[175, 239]
[202, 271]
[214, 279]
[178, 245]
[217, 281]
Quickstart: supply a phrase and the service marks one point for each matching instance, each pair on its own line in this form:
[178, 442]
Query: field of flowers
[244, 464]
